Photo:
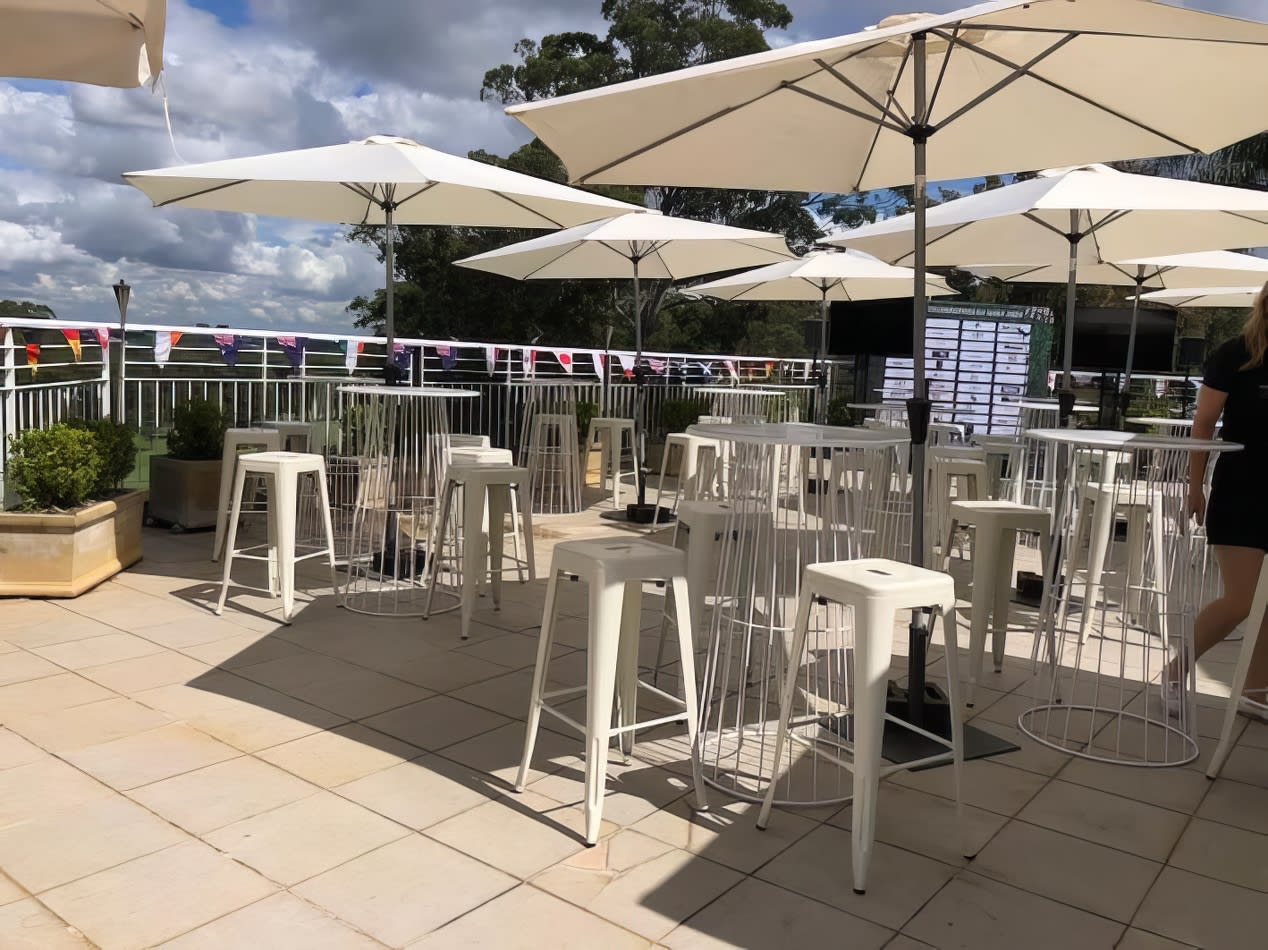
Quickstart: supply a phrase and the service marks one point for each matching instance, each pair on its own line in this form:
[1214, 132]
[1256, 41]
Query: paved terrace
[169, 778]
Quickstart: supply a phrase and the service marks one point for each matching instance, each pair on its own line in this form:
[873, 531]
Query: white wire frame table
[397, 437]
[1104, 644]
[1038, 474]
[800, 494]
[555, 468]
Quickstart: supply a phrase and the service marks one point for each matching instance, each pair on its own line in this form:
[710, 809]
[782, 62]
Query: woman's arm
[1210, 405]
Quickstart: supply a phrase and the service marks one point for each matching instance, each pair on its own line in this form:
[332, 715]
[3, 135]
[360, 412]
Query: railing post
[8, 402]
[107, 404]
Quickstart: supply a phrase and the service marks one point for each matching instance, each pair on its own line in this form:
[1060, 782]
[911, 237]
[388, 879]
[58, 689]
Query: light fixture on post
[122, 293]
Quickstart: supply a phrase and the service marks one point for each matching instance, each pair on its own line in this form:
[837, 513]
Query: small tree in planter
[74, 530]
[185, 483]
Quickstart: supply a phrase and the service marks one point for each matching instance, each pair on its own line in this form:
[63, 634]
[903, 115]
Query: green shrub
[58, 467]
[116, 443]
[839, 414]
[198, 431]
[586, 411]
[677, 414]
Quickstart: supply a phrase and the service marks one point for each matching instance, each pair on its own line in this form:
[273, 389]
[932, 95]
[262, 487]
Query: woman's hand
[1195, 507]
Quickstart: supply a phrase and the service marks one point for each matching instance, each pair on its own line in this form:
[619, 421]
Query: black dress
[1237, 513]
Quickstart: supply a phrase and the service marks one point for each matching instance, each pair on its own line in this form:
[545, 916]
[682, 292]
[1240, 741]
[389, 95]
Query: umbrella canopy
[635, 246]
[824, 276]
[1091, 214]
[1204, 296]
[116, 43]
[383, 180]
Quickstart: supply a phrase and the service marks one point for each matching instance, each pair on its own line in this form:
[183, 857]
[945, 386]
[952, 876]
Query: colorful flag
[293, 347]
[491, 359]
[33, 357]
[400, 356]
[164, 341]
[657, 366]
[351, 350]
[103, 337]
[706, 370]
[730, 368]
[770, 369]
[564, 357]
[530, 362]
[448, 356]
[72, 340]
[597, 359]
[627, 364]
[229, 344]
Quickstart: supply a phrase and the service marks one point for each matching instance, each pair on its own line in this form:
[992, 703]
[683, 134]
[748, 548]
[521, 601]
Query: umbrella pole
[640, 427]
[821, 410]
[1125, 396]
[389, 294]
[1066, 396]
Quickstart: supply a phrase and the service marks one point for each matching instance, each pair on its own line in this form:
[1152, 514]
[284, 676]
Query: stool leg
[952, 644]
[228, 469]
[270, 521]
[985, 572]
[498, 495]
[804, 602]
[324, 499]
[231, 541]
[1098, 548]
[544, 641]
[473, 544]
[604, 648]
[526, 511]
[437, 542]
[516, 527]
[284, 487]
[664, 464]
[627, 664]
[1003, 588]
[871, 672]
[687, 662]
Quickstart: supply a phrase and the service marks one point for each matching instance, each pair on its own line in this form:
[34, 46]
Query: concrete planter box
[65, 554]
[185, 494]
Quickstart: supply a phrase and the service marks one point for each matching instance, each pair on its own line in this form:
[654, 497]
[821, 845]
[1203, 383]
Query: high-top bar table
[398, 439]
[800, 494]
[1113, 620]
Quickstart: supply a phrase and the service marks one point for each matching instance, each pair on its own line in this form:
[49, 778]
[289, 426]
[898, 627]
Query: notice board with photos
[978, 360]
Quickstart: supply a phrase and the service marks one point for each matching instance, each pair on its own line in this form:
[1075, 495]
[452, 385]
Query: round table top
[1121, 441]
[1055, 406]
[877, 405]
[1167, 421]
[417, 392]
[802, 434]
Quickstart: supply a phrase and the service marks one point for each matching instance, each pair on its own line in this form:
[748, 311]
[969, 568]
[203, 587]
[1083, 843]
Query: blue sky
[246, 77]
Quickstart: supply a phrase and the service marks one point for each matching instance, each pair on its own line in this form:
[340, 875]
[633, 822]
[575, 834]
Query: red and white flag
[565, 359]
[164, 340]
[530, 362]
[491, 359]
[730, 368]
[627, 364]
[657, 366]
[597, 359]
[103, 337]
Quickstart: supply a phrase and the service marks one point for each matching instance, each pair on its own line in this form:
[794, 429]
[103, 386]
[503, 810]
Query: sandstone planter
[65, 554]
[184, 494]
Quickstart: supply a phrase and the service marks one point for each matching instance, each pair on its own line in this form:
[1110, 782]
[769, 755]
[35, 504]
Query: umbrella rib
[134, 20]
[427, 187]
[1031, 216]
[521, 205]
[1114, 34]
[876, 133]
[942, 71]
[363, 192]
[558, 257]
[1087, 100]
[858, 113]
[863, 94]
[1017, 73]
[203, 191]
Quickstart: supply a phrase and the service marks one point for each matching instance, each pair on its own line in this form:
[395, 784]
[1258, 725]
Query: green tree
[26, 308]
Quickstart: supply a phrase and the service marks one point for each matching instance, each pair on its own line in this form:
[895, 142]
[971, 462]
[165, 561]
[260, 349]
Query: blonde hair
[1255, 332]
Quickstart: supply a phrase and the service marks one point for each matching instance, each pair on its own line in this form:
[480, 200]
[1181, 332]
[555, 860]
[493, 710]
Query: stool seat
[282, 471]
[880, 580]
[614, 571]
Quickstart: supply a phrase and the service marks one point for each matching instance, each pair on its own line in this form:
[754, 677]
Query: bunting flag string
[706, 370]
[564, 358]
[103, 337]
[351, 350]
[164, 342]
[730, 368]
[72, 340]
[448, 357]
[491, 359]
[627, 364]
[530, 362]
[400, 356]
[33, 357]
[229, 344]
[293, 347]
[770, 369]
[657, 366]
[597, 359]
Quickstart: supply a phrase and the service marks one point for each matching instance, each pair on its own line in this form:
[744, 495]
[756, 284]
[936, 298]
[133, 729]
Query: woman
[1235, 384]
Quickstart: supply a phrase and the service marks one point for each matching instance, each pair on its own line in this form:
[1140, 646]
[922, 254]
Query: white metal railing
[268, 381]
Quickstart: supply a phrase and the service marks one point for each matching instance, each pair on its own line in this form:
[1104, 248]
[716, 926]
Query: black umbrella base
[641, 515]
[901, 745]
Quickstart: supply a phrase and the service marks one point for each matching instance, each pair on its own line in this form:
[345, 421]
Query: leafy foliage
[55, 468]
[586, 411]
[198, 431]
[677, 414]
[26, 308]
[116, 443]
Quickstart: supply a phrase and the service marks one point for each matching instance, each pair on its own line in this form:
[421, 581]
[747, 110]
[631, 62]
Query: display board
[977, 361]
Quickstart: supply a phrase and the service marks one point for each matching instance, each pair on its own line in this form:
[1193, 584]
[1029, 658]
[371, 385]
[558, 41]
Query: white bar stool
[282, 472]
[236, 440]
[463, 440]
[615, 570]
[877, 590]
[996, 526]
[554, 463]
[296, 436]
[614, 437]
[1004, 455]
[954, 472]
[695, 473]
[468, 453]
[488, 490]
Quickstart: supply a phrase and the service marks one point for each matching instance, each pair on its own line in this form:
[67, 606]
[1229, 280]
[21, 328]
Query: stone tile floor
[169, 778]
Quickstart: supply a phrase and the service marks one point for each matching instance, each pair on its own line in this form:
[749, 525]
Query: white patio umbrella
[102, 42]
[824, 276]
[1091, 214]
[382, 180]
[1204, 296]
[637, 246]
[1199, 269]
[993, 88]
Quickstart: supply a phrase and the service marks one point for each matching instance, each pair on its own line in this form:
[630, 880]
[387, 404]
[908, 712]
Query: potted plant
[75, 526]
[185, 483]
